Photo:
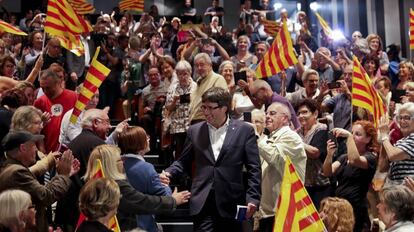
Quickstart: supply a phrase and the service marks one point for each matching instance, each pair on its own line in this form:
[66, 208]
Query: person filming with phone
[340, 104]
[355, 169]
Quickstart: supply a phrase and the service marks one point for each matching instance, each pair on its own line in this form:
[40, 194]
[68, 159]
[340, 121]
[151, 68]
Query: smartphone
[332, 137]
[397, 94]
[206, 41]
[334, 85]
[240, 76]
[185, 98]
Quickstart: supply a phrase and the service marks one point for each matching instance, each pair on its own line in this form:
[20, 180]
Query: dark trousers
[209, 219]
[178, 141]
[318, 193]
[266, 224]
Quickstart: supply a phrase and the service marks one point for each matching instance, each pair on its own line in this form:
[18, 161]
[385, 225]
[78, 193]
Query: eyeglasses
[274, 113]
[106, 121]
[209, 108]
[404, 117]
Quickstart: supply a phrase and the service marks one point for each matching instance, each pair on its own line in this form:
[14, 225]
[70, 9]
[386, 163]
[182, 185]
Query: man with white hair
[95, 125]
[205, 78]
[273, 149]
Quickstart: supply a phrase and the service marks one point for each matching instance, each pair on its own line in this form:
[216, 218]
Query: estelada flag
[279, 57]
[10, 29]
[96, 75]
[364, 94]
[98, 172]
[295, 211]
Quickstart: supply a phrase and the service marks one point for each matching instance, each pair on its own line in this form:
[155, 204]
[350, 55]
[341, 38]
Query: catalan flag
[411, 28]
[76, 48]
[364, 94]
[82, 6]
[96, 75]
[279, 57]
[271, 27]
[98, 172]
[325, 26]
[10, 29]
[62, 21]
[295, 211]
[131, 5]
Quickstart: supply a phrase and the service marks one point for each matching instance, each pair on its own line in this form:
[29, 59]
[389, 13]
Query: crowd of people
[190, 92]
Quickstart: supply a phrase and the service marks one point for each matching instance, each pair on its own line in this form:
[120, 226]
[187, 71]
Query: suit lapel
[228, 140]
[206, 143]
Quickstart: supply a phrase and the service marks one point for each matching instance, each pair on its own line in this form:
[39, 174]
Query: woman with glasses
[17, 213]
[400, 156]
[29, 118]
[177, 106]
[314, 136]
[354, 171]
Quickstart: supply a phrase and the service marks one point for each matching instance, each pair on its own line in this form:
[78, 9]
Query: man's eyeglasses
[209, 108]
[106, 121]
[274, 113]
[404, 117]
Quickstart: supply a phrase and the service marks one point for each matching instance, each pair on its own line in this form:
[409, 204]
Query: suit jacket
[134, 202]
[76, 63]
[16, 176]
[67, 212]
[143, 177]
[224, 174]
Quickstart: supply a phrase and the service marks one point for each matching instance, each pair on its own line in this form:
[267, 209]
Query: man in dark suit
[77, 66]
[95, 126]
[219, 148]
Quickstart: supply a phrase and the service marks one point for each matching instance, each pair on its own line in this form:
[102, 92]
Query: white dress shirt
[217, 136]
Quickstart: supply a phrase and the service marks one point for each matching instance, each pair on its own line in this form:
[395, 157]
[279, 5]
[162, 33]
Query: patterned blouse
[179, 117]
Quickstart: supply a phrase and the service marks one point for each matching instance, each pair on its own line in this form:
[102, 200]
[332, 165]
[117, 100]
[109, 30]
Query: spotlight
[277, 5]
[298, 6]
[337, 35]
[314, 6]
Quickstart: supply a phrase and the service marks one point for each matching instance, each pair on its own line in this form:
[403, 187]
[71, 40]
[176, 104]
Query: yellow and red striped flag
[10, 29]
[82, 6]
[96, 75]
[364, 94]
[279, 57]
[325, 26]
[271, 27]
[132, 5]
[98, 172]
[295, 211]
[411, 28]
[62, 21]
[75, 48]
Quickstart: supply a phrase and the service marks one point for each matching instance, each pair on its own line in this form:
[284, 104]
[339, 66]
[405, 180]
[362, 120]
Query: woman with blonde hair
[17, 213]
[132, 201]
[376, 47]
[243, 58]
[98, 201]
[337, 214]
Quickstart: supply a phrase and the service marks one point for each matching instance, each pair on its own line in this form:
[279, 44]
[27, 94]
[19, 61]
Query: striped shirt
[401, 169]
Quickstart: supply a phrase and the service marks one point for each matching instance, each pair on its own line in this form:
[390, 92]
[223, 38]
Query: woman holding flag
[354, 171]
[132, 202]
